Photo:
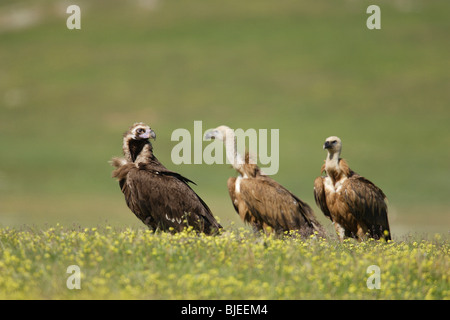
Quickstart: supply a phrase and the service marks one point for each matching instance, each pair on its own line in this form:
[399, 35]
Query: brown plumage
[356, 206]
[259, 200]
[160, 198]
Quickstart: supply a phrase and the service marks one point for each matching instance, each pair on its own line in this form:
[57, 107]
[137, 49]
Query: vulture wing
[367, 203]
[273, 205]
[163, 199]
[231, 190]
[319, 196]
[241, 207]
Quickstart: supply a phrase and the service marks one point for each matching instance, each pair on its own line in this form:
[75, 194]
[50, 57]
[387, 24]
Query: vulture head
[140, 131]
[219, 133]
[135, 139]
[333, 145]
[237, 160]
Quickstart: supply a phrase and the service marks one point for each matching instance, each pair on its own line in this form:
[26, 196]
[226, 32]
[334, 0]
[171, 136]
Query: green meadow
[311, 69]
[125, 263]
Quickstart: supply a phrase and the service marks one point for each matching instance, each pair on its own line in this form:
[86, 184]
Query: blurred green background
[308, 68]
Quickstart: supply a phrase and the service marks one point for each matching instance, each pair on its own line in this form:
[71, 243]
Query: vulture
[259, 200]
[160, 198]
[355, 205]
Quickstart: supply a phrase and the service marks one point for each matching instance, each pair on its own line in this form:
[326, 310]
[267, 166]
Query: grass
[118, 263]
[309, 69]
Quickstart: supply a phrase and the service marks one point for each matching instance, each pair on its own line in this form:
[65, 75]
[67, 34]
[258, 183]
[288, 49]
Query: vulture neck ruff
[134, 150]
[229, 139]
[242, 164]
[332, 166]
[145, 155]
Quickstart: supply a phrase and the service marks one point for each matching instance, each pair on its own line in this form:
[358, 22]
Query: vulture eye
[140, 130]
[333, 142]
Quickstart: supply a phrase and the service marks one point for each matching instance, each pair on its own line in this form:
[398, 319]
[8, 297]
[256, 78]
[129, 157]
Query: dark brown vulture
[160, 198]
[355, 205]
[259, 200]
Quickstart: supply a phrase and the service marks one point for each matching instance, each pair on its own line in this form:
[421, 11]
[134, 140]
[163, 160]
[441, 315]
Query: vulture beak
[148, 134]
[210, 135]
[327, 145]
[152, 134]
